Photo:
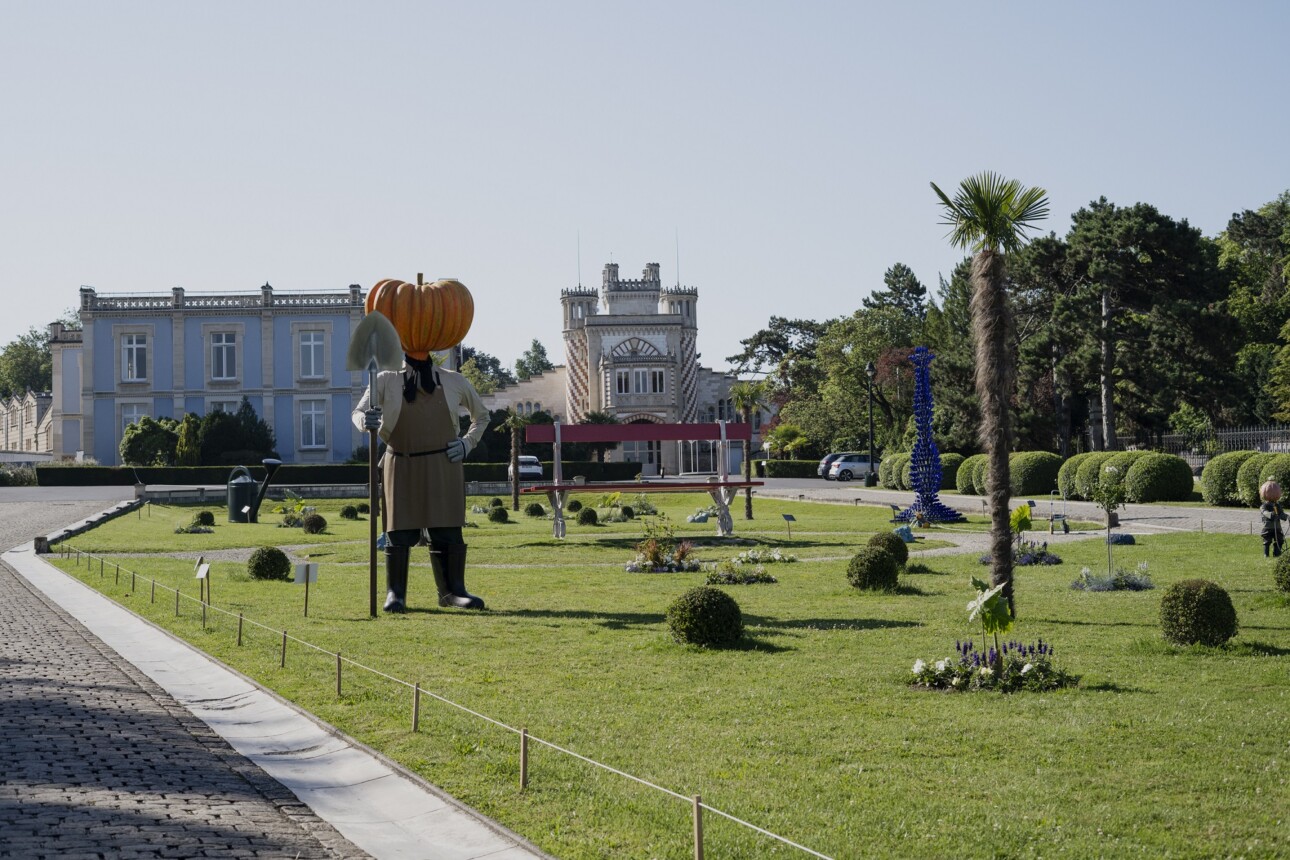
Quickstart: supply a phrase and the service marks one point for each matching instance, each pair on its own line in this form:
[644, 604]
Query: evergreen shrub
[497, 514]
[873, 569]
[1281, 573]
[963, 478]
[1197, 612]
[574, 506]
[313, 524]
[1247, 479]
[588, 517]
[1276, 469]
[534, 509]
[495, 502]
[204, 518]
[349, 512]
[364, 508]
[979, 475]
[950, 469]
[707, 617]
[884, 471]
[1066, 475]
[1033, 472]
[627, 512]
[1218, 480]
[1159, 478]
[1120, 461]
[893, 544]
[269, 562]
[1089, 474]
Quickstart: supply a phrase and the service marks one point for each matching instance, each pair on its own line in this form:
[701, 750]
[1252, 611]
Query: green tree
[235, 439]
[489, 367]
[990, 215]
[483, 383]
[785, 351]
[26, 365]
[188, 451]
[746, 397]
[149, 442]
[533, 361]
[904, 292]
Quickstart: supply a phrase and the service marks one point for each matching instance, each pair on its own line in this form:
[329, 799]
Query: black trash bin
[242, 489]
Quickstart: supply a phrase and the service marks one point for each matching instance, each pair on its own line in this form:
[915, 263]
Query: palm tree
[746, 397]
[515, 423]
[990, 215]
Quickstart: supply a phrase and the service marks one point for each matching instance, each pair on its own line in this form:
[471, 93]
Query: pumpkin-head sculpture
[1270, 491]
[428, 317]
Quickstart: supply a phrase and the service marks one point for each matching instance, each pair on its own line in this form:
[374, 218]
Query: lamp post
[871, 480]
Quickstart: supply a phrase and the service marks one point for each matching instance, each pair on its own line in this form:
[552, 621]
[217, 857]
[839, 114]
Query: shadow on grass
[920, 568]
[1112, 687]
[910, 590]
[1091, 623]
[825, 623]
[1231, 649]
[610, 620]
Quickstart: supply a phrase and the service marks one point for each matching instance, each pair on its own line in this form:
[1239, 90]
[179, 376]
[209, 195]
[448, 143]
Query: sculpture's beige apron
[426, 491]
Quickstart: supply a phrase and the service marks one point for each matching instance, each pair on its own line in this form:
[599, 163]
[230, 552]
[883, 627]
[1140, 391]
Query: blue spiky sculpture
[925, 461]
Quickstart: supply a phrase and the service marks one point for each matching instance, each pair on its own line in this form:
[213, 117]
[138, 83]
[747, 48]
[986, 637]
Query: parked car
[530, 469]
[849, 466]
[823, 469]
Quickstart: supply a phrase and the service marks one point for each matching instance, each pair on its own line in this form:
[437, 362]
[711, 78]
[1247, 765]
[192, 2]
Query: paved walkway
[103, 754]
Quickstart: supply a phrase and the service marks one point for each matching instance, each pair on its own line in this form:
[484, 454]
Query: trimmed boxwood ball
[1276, 469]
[269, 562]
[627, 512]
[893, 544]
[1247, 479]
[873, 569]
[573, 507]
[950, 469]
[364, 508]
[884, 471]
[495, 502]
[1159, 478]
[498, 515]
[204, 518]
[980, 474]
[1197, 612]
[1089, 473]
[1033, 472]
[1281, 573]
[588, 517]
[963, 478]
[1120, 462]
[314, 524]
[349, 512]
[707, 617]
[900, 471]
[1066, 475]
[534, 509]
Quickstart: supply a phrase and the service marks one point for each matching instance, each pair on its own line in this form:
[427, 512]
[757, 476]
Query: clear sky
[784, 148]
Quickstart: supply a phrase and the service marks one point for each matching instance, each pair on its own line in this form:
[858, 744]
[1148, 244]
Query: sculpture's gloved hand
[372, 419]
[456, 451]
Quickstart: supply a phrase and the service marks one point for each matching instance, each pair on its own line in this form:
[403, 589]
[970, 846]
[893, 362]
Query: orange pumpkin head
[1270, 491]
[428, 317]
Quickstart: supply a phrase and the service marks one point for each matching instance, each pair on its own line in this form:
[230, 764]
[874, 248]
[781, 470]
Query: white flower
[1026, 668]
[919, 666]
[955, 681]
[986, 671]
[942, 665]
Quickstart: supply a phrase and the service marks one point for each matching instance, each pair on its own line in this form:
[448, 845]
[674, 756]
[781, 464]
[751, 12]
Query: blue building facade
[168, 355]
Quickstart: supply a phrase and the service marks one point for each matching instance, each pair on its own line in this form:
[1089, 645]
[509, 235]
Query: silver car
[849, 466]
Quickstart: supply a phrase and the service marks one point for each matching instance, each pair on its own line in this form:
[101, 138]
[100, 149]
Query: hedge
[1247, 479]
[292, 474]
[1066, 475]
[1276, 469]
[792, 468]
[885, 466]
[950, 464]
[963, 479]
[979, 475]
[1121, 462]
[1089, 473]
[903, 471]
[1218, 480]
[1033, 472]
[1159, 478]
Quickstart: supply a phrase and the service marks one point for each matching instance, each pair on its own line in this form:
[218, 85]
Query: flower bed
[1018, 667]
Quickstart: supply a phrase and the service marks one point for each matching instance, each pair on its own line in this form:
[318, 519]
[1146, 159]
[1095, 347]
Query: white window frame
[305, 406]
[228, 406]
[134, 344]
[623, 382]
[640, 381]
[223, 356]
[657, 382]
[209, 331]
[311, 344]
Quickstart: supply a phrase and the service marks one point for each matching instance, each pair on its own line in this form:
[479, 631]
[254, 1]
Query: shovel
[374, 346]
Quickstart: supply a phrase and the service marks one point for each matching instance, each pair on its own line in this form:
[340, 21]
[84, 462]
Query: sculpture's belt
[419, 453]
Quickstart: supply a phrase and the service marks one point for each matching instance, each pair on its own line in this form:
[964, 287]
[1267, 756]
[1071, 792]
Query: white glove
[372, 419]
[456, 451]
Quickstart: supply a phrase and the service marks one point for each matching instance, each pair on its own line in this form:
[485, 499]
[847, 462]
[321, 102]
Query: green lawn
[809, 730]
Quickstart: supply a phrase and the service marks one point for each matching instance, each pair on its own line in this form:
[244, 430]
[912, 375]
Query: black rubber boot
[448, 560]
[396, 578]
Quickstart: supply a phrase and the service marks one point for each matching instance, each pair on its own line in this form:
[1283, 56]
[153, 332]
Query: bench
[721, 488]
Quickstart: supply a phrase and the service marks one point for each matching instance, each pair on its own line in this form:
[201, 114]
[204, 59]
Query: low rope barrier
[695, 801]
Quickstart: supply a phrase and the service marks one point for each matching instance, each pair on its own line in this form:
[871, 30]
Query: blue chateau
[167, 355]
